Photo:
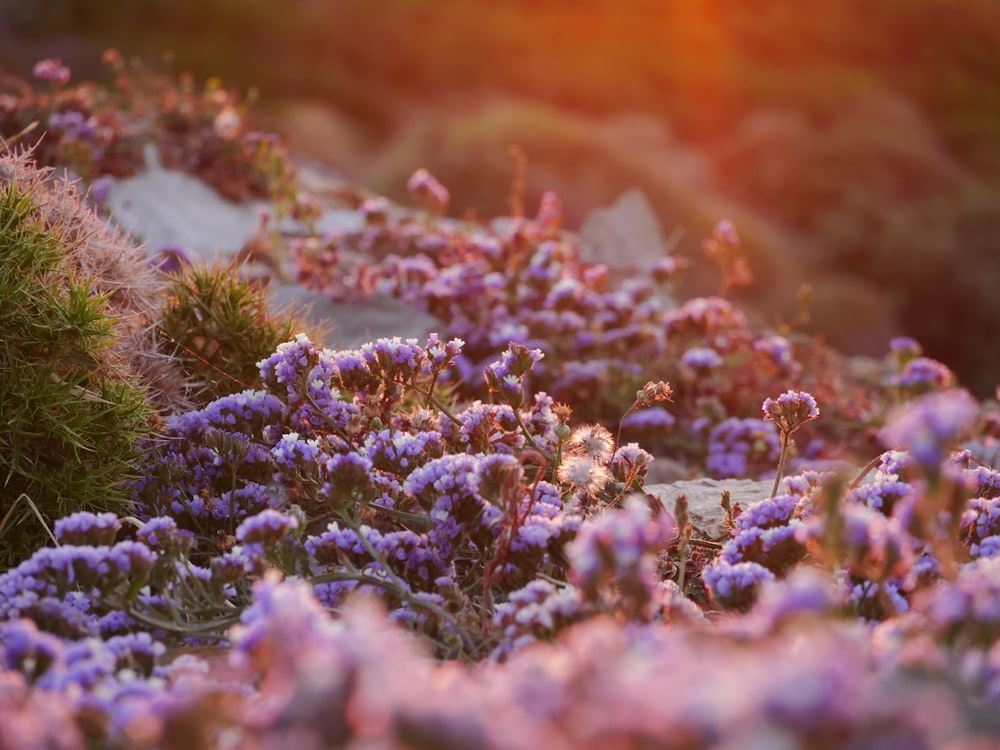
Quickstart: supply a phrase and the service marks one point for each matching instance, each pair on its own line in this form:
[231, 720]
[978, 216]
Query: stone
[348, 325]
[703, 497]
[167, 207]
[625, 235]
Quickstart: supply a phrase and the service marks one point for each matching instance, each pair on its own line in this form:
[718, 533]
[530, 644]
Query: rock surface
[703, 497]
[348, 325]
[165, 207]
[625, 234]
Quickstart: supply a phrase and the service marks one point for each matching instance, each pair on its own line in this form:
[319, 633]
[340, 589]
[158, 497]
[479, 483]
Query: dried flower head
[593, 441]
[583, 474]
[652, 393]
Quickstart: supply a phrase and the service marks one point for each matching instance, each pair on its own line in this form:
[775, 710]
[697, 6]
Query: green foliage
[72, 412]
[217, 326]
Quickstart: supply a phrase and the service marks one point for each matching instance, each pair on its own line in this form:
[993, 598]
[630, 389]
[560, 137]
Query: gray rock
[163, 207]
[347, 325]
[703, 497]
[626, 234]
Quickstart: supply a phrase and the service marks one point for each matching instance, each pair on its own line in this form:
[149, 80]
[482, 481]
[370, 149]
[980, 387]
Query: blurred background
[854, 144]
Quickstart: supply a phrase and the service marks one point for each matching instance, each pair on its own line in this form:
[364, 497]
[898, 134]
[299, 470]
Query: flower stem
[786, 440]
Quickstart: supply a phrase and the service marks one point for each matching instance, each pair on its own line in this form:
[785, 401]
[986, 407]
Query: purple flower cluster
[742, 448]
[930, 426]
[520, 283]
[612, 559]
[923, 375]
[790, 410]
[505, 377]
[537, 612]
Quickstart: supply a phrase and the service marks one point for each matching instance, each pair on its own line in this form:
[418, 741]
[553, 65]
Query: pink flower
[52, 70]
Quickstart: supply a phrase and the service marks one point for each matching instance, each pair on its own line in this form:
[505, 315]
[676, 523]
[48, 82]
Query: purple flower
[428, 192]
[775, 547]
[395, 359]
[980, 519]
[742, 448]
[650, 418]
[701, 358]
[267, 528]
[928, 427]
[293, 452]
[630, 463]
[84, 528]
[536, 612]
[504, 377]
[778, 350]
[923, 374]
[169, 258]
[402, 452]
[100, 190]
[766, 514]
[617, 549]
[967, 610]
[51, 70]
[735, 586]
[988, 547]
[882, 496]
[790, 410]
[805, 590]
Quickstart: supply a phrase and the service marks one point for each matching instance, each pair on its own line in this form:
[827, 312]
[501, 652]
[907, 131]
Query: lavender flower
[630, 464]
[267, 528]
[980, 519]
[505, 376]
[967, 611]
[701, 359]
[85, 528]
[51, 70]
[402, 452]
[650, 419]
[790, 410]
[735, 586]
[930, 426]
[922, 375]
[616, 549]
[428, 192]
[778, 351]
[742, 447]
[393, 359]
[906, 347]
[536, 612]
[863, 541]
[776, 547]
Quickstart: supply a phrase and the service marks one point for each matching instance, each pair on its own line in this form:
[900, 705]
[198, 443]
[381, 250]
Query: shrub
[73, 408]
[217, 326]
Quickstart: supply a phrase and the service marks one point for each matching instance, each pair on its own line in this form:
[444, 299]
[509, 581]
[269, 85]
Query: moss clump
[217, 326]
[73, 408]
